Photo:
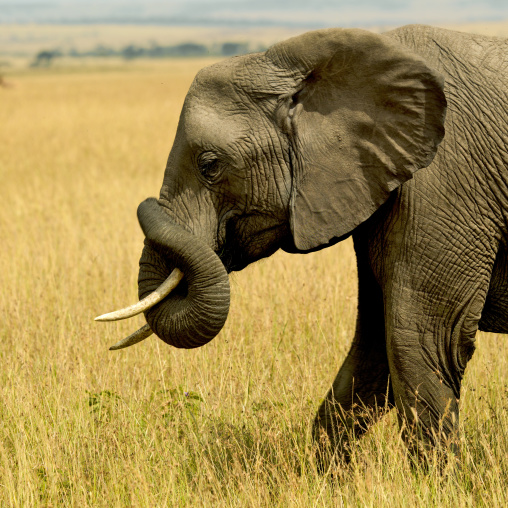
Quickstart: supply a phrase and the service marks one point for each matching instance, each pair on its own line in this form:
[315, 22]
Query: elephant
[399, 140]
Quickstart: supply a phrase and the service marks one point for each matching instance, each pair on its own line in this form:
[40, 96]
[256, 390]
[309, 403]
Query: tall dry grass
[224, 425]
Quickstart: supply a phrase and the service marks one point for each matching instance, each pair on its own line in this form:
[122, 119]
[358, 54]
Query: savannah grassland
[224, 425]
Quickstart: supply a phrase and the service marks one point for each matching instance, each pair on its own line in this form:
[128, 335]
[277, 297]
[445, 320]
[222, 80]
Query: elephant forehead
[215, 82]
[211, 127]
[239, 80]
[217, 109]
[247, 75]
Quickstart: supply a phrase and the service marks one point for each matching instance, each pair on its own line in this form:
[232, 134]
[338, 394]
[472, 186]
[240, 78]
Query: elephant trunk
[195, 312]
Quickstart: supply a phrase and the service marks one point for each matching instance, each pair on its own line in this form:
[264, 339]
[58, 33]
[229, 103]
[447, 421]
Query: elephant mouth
[240, 244]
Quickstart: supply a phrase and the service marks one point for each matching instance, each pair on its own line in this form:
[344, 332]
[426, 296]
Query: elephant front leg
[426, 395]
[429, 342]
[361, 392]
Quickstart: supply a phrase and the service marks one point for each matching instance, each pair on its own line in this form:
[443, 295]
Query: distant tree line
[190, 49]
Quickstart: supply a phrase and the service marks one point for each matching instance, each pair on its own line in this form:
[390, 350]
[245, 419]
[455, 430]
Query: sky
[312, 13]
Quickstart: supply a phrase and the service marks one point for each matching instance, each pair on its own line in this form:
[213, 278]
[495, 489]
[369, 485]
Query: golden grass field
[83, 426]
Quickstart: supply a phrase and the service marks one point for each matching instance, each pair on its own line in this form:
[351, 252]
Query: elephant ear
[364, 114]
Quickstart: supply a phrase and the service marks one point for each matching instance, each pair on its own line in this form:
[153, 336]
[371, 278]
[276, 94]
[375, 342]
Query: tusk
[138, 336]
[147, 303]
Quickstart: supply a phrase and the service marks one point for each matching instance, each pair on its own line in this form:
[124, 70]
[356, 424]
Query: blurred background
[40, 33]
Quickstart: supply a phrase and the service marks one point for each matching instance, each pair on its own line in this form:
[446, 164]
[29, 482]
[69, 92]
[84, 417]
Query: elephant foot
[431, 449]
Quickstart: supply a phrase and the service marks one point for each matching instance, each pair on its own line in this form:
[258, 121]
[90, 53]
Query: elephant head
[291, 148]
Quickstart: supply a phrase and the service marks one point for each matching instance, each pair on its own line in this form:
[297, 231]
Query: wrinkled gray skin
[321, 137]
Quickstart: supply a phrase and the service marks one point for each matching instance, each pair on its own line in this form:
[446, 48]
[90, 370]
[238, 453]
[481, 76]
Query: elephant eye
[209, 166]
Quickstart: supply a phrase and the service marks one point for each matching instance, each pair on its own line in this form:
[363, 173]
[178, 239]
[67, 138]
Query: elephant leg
[430, 338]
[358, 396]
